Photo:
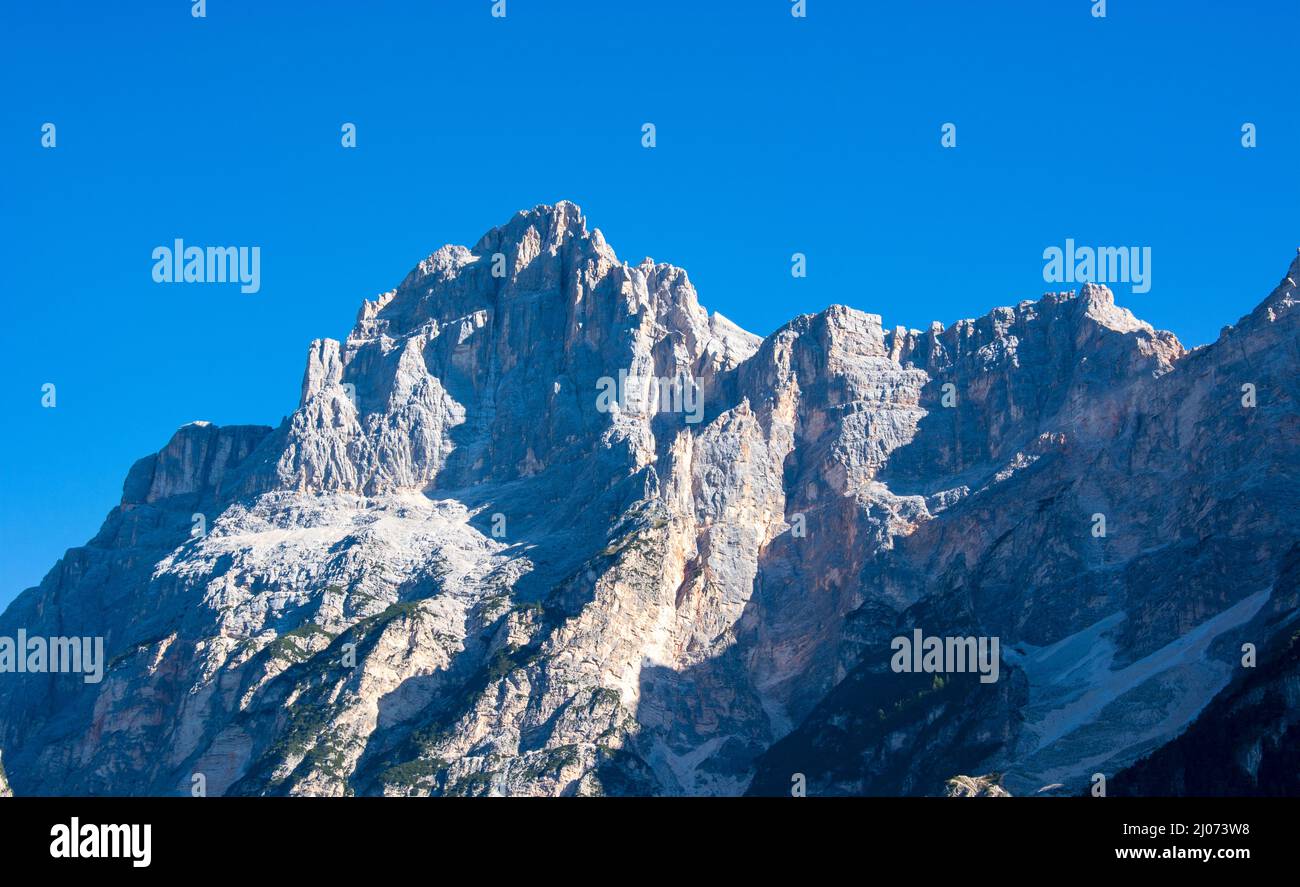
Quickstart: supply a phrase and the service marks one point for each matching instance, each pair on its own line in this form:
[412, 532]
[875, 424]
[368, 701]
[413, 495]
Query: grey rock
[450, 572]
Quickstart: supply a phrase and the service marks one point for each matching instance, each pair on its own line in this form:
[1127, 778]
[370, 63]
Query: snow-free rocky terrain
[449, 572]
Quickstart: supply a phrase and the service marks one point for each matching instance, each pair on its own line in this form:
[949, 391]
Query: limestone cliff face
[1115, 642]
[459, 568]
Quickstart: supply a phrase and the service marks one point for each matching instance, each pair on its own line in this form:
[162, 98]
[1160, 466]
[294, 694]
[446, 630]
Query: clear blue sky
[775, 135]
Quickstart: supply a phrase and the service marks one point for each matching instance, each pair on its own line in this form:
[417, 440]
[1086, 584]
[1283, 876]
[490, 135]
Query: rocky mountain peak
[547, 593]
[501, 346]
[549, 226]
[1285, 295]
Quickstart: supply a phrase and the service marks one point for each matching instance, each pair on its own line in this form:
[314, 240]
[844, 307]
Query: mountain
[1246, 742]
[485, 555]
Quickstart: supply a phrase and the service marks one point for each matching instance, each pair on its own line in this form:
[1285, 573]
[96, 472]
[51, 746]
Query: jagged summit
[554, 223]
[1284, 296]
[547, 592]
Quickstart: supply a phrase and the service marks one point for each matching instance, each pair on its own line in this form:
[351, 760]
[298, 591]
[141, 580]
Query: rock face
[1246, 742]
[488, 555]
[975, 787]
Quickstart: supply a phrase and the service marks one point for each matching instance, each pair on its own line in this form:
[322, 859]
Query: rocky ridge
[450, 571]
